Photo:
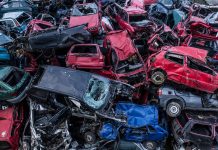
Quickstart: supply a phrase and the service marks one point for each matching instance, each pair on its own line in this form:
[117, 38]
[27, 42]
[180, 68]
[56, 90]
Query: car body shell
[37, 25]
[183, 74]
[184, 130]
[93, 21]
[85, 60]
[11, 122]
[188, 99]
[16, 93]
[122, 45]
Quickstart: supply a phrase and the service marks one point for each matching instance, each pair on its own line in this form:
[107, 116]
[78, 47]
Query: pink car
[37, 25]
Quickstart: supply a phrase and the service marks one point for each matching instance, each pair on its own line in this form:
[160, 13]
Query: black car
[195, 130]
[58, 38]
[174, 100]
[63, 100]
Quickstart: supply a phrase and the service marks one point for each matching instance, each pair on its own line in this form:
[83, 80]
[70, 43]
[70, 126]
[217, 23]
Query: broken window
[84, 49]
[179, 59]
[23, 17]
[84, 10]
[13, 78]
[130, 64]
[201, 129]
[96, 94]
[196, 65]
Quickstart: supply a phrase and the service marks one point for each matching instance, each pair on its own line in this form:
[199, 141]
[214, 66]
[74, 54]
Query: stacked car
[112, 74]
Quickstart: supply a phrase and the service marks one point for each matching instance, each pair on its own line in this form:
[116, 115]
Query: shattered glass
[96, 94]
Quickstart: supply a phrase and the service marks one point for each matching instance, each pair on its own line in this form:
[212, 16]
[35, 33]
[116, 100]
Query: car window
[96, 94]
[13, 78]
[84, 49]
[39, 16]
[194, 64]
[179, 59]
[8, 23]
[200, 129]
[23, 17]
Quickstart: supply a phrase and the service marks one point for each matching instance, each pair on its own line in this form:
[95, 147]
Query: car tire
[173, 109]
[90, 137]
[158, 77]
[150, 145]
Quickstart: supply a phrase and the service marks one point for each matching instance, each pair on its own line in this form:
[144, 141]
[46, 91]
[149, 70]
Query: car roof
[65, 81]
[13, 15]
[4, 71]
[121, 43]
[131, 10]
[196, 53]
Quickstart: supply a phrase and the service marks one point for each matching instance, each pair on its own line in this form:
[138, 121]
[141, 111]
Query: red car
[37, 25]
[183, 65]
[85, 56]
[87, 13]
[123, 61]
[143, 4]
[11, 120]
[133, 19]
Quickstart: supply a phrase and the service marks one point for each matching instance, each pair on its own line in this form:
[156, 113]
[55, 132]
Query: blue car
[4, 55]
[142, 126]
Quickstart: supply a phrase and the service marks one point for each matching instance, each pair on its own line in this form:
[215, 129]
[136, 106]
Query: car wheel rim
[158, 78]
[174, 109]
[149, 145]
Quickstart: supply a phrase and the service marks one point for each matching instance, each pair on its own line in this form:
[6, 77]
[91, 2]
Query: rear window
[84, 49]
[23, 17]
[43, 26]
[13, 78]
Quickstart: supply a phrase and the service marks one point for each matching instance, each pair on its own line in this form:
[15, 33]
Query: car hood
[91, 20]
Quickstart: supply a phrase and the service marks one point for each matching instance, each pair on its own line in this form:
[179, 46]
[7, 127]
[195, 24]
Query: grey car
[174, 100]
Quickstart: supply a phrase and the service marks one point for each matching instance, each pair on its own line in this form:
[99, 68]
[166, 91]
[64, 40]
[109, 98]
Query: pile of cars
[108, 74]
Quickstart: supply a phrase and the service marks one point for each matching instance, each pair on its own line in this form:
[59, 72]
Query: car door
[204, 76]
[201, 134]
[174, 66]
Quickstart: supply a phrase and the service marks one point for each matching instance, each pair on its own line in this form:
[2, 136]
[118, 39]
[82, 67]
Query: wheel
[150, 145]
[90, 137]
[158, 77]
[173, 109]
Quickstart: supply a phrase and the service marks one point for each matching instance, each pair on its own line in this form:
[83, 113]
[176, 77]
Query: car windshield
[84, 10]
[131, 64]
[4, 39]
[97, 91]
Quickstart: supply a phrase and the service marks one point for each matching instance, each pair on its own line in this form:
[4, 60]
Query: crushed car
[195, 130]
[56, 38]
[80, 96]
[173, 100]
[183, 65]
[87, 13]
[12, 118]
